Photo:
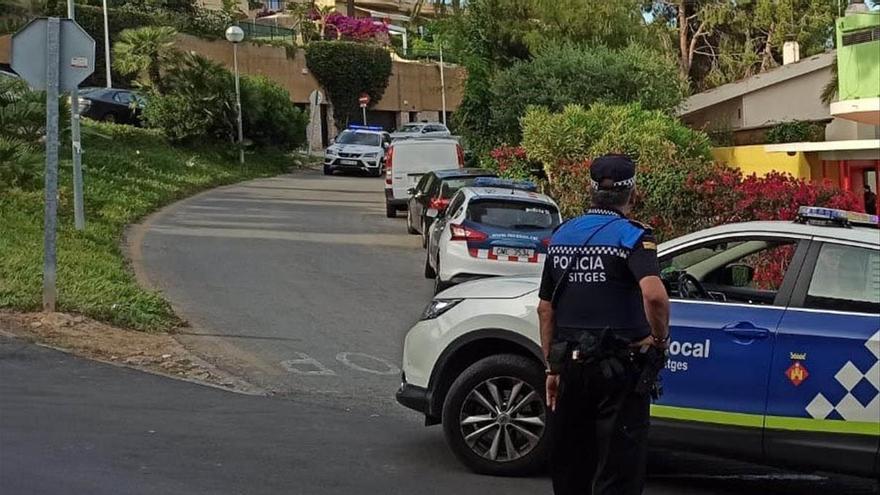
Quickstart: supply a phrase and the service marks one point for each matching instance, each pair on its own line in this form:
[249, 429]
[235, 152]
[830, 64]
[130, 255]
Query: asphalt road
[302, 286]
[301, 279]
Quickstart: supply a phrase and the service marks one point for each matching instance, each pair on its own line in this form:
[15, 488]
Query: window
[451, 186]
[747, 270]
[846, 278]
[517, 215]
[422, 185]
[123, 97]
[455, 205]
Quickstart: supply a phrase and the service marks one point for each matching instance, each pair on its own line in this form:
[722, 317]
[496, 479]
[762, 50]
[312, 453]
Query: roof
[462, 172]
[855, 234]
[754, 83]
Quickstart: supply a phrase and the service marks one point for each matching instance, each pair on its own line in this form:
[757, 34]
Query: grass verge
[128, 173]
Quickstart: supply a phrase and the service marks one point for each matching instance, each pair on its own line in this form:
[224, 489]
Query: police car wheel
[327, 170]
[494, 416]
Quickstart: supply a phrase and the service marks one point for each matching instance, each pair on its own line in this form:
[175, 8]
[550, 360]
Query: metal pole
[107, 45]
[364, 109]
[238, 103]
[78, 213]
[442, 85]
[53, 33]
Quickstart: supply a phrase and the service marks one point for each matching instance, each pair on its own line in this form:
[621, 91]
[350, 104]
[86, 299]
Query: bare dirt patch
[153, 352]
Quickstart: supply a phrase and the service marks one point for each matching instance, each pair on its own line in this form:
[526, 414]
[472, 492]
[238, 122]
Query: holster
[653, 361]
[607, 351]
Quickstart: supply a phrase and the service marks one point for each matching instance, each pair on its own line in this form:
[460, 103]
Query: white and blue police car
[774, 357]
[494, 227]
[358, 148]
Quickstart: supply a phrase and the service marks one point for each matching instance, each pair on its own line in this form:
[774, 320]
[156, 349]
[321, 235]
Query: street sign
[364, 100]
[76, 59]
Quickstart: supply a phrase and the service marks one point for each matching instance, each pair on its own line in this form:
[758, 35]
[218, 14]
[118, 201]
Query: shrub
[345, 70]
[666, 152]
[563, 74]
[796, 131]
[511, 162]
[198, 102]
[20, 165]
[269, 116]
[339, 26]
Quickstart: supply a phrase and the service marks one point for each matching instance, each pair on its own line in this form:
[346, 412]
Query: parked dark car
[432, 192]
[112, 105]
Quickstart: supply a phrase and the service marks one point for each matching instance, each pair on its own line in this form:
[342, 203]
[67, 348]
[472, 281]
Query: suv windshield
[508, 214]
[364, 138]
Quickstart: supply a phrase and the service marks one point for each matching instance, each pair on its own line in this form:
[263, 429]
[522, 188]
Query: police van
[774, 357]
[358, 148]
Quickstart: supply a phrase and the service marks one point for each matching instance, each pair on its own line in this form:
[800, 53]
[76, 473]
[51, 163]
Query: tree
[144, 51]
[345, 70]
[719, 41]
[567, 73]
[349, 8]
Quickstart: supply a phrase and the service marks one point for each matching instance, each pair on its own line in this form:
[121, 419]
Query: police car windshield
[355, 137]
[511, 214]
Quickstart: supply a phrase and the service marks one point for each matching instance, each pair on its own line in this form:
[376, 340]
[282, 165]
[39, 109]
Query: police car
[774, 357]
[358, 148]
[496, 227]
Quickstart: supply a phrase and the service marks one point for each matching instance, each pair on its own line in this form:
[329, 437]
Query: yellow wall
[753, 159]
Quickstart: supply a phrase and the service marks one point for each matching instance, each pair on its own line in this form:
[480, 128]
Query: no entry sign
[364, 100]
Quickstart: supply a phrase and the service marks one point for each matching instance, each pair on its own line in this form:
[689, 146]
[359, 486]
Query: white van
[406, 161]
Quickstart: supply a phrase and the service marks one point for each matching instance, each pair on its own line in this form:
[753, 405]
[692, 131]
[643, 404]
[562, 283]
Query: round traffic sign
[364, 99]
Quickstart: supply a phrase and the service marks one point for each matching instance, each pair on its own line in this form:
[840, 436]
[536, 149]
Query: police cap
[613, 172]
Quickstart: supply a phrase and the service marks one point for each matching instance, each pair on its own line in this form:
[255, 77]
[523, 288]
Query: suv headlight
[331, 151]
[372, 156]
[439, 306]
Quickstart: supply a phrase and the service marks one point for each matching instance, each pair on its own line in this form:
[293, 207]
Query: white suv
[775, 353]
[358, 148]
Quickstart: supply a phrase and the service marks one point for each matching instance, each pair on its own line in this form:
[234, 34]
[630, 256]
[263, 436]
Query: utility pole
[442, 85]
[349, 11]
[107, 45]
[76, 143]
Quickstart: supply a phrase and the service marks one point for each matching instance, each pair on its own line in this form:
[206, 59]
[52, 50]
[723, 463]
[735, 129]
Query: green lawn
[129, 173]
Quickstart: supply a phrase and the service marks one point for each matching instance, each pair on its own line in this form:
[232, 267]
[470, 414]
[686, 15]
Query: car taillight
[389, 158]
[438, 204]
[460, 152]
[546, 242]
[462, 233]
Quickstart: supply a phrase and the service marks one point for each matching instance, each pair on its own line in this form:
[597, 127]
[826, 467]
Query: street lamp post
[235, 35]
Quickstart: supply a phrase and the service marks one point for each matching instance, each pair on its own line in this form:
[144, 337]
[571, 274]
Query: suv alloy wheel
[494, 416]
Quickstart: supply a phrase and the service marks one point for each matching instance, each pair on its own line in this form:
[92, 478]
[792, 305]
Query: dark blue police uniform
[599, 427]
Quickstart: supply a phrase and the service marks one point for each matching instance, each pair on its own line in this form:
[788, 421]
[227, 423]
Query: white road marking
[343, 357]
[306, 361]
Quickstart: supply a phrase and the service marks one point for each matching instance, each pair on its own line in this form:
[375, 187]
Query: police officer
[603, 309]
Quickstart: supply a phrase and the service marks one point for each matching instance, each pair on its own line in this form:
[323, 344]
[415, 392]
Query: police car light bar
[842, 218]
[522, 185]
[366, 127]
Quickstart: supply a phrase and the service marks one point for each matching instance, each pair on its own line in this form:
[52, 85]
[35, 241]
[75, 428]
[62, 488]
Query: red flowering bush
[728, 196]
[510, 162]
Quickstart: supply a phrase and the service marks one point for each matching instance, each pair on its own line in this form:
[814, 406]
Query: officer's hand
[648, 342]
[552, 387]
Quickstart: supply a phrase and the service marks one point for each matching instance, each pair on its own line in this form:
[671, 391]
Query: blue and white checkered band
[621, 183]
[589, 250]
[602, 211]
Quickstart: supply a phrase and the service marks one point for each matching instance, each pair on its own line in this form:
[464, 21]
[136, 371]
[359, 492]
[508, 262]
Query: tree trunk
[349, 11]
[684, 56]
